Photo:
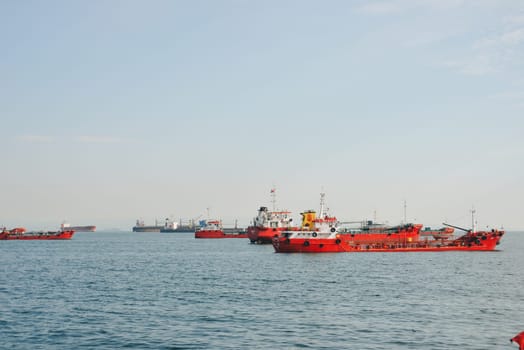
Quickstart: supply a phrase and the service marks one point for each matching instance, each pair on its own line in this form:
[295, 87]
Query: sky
[113, 111]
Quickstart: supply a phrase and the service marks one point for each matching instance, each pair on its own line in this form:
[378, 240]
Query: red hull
[264, 235]
[480, 241]
[25, 236]
[218, 234]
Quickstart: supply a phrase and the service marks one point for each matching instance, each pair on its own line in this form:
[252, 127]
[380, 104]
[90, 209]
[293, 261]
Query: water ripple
[163, 291]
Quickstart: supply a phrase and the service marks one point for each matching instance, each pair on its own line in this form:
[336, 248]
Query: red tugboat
[214, 229]
[323, 236]
[20, 233]
[269, 224]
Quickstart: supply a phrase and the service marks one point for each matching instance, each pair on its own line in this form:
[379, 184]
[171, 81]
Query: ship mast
[405, 206]
[472, 219]
[273, 198]
[322, 203]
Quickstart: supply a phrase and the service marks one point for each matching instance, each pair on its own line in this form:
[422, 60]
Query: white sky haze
[117, 110]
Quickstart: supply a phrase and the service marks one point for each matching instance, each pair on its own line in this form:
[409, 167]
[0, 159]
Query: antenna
[322, 203]
[472, 219]
[405, 217]
[273, 198]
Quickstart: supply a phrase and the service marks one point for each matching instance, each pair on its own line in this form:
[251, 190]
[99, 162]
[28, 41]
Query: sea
[124, 290]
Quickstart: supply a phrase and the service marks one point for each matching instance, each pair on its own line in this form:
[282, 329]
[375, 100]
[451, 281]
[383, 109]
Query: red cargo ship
[214, 229]
[322, 235]
[400, 241]
[20, 233]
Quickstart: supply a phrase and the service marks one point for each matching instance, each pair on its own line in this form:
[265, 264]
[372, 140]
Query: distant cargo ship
[169, 226]
[89, 228]
[173, 226]
[141, 227]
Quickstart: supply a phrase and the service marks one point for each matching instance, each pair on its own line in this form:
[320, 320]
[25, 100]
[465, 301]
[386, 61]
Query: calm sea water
[111, 290]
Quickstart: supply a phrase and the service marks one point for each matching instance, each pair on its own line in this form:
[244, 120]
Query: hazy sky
[117, 110]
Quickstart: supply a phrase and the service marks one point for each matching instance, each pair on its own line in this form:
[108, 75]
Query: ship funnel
[308, 218]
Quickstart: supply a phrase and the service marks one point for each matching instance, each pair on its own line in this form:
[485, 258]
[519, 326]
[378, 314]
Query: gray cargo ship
[173, 226]
[141, 227]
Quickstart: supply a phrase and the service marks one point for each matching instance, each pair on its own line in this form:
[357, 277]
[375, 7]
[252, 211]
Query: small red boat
[214, 229]
[322, 235]
[20, 233]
